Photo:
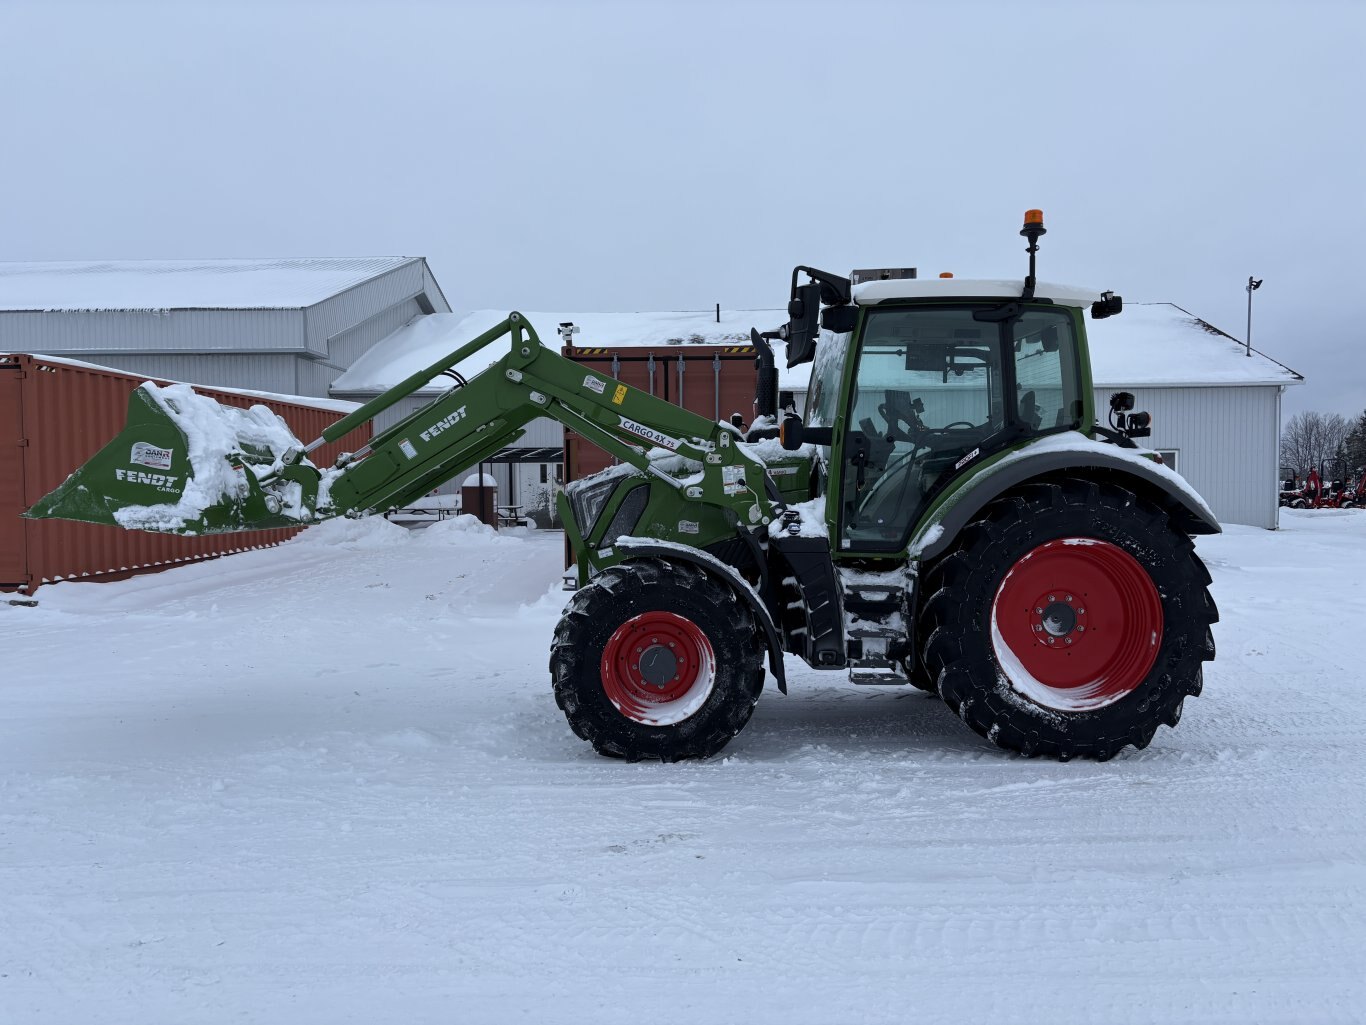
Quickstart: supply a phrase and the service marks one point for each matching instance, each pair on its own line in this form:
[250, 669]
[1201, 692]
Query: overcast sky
[650, 156]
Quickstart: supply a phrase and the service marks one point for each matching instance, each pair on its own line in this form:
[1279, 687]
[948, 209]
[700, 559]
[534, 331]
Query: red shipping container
[713, 381]
[53, 417]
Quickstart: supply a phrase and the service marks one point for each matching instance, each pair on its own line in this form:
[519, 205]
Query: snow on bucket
[186, 464]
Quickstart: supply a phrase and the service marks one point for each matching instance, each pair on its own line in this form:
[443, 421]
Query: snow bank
[370, 532]
[366, 532]
[460, 530]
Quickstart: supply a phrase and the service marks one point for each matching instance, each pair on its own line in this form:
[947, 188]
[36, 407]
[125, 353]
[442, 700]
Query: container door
[13, 530]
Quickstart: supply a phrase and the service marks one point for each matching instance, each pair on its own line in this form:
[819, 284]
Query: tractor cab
[914, 382]
[928, 387]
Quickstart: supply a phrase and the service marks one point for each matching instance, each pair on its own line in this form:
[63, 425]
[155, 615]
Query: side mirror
[1109, 305]
[803, 325]
[839, 319]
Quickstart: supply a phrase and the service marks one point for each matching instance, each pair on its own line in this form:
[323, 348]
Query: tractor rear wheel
[1072, 620]
[656, 659]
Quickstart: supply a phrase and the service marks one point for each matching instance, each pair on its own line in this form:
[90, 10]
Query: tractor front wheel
[1072, 621]
[656, 659]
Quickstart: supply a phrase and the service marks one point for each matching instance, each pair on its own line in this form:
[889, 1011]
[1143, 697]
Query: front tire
[656, 659]
[1072, 621]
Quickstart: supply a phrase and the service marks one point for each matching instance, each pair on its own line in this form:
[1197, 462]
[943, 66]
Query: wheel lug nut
[1051, 598]
[1037, 628]
[1081, 629]
[1081, 612]
[1052, 640]
[1068, 641]
[1039, 611]
[1068, 599]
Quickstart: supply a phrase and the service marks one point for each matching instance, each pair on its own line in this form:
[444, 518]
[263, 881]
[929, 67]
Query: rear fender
[1089, 461]
[633, 548]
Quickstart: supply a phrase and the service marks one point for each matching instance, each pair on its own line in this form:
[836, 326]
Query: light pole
[1252, 285]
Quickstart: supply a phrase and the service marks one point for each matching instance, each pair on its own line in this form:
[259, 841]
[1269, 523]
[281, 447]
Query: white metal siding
[355, 306]
[1228, 439]
[88, 335]
[261, 372]
[314, 378]
[349, 345]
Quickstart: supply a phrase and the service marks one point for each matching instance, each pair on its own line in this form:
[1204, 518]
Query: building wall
[348, 345]
[92, 334]
[259, 371]
[406, 287]
[1228, 439]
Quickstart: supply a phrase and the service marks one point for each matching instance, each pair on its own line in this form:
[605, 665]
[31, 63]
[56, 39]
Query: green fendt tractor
[947, 515]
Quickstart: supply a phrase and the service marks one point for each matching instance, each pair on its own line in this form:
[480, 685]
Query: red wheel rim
[1076, 624]
[658, 668]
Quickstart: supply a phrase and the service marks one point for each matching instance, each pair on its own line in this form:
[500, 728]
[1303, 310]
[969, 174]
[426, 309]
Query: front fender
[1074, 455]
[633, 547]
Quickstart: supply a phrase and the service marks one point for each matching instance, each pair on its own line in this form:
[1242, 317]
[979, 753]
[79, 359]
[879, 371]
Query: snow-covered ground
[328, 783]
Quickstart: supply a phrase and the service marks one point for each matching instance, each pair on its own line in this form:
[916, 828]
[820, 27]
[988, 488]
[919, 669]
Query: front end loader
[946, 515]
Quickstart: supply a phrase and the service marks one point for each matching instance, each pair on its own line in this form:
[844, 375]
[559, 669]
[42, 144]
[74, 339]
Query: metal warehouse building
[289, 326]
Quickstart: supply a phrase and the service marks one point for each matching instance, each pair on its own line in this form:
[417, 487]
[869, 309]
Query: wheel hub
[658, 668]
[1076, 624]
[1058, 618]
[658, 665]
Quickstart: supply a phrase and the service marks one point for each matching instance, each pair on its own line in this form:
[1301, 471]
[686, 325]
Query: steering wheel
[956, 423]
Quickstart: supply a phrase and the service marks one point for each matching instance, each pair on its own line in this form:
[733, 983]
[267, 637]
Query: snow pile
[212, 432]
[464, 529]
[364, 533]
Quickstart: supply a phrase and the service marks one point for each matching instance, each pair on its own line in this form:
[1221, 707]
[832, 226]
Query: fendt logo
[160, 481]
[443, 424]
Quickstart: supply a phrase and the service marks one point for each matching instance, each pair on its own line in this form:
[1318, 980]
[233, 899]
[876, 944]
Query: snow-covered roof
[185, 284]
[1161, 344]
[870, 292]
[1148, 344]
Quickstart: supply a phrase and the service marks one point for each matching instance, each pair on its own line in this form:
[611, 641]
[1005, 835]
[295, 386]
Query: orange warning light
[946, 274]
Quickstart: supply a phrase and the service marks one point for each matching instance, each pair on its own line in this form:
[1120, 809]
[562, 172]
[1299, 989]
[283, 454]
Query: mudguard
[635, 547]
[1077, 457]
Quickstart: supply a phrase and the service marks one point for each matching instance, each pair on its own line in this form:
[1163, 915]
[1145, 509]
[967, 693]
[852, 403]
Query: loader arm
[469, 424]
[275, 485]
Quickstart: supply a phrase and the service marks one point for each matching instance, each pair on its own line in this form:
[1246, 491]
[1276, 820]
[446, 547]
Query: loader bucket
[184, 464]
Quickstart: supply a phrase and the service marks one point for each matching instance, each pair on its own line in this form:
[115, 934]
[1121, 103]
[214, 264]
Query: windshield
[934, 388]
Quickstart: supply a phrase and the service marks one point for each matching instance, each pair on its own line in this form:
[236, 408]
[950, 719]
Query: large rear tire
[1072, 621]
[656, 659]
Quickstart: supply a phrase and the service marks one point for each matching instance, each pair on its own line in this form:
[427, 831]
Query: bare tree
[1354, 447]
[1312, 439]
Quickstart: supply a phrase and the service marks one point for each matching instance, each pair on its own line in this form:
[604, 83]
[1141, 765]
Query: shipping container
[55, 415]
[713, 381]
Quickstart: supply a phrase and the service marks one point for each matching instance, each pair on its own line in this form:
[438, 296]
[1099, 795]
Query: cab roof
[870, 293]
